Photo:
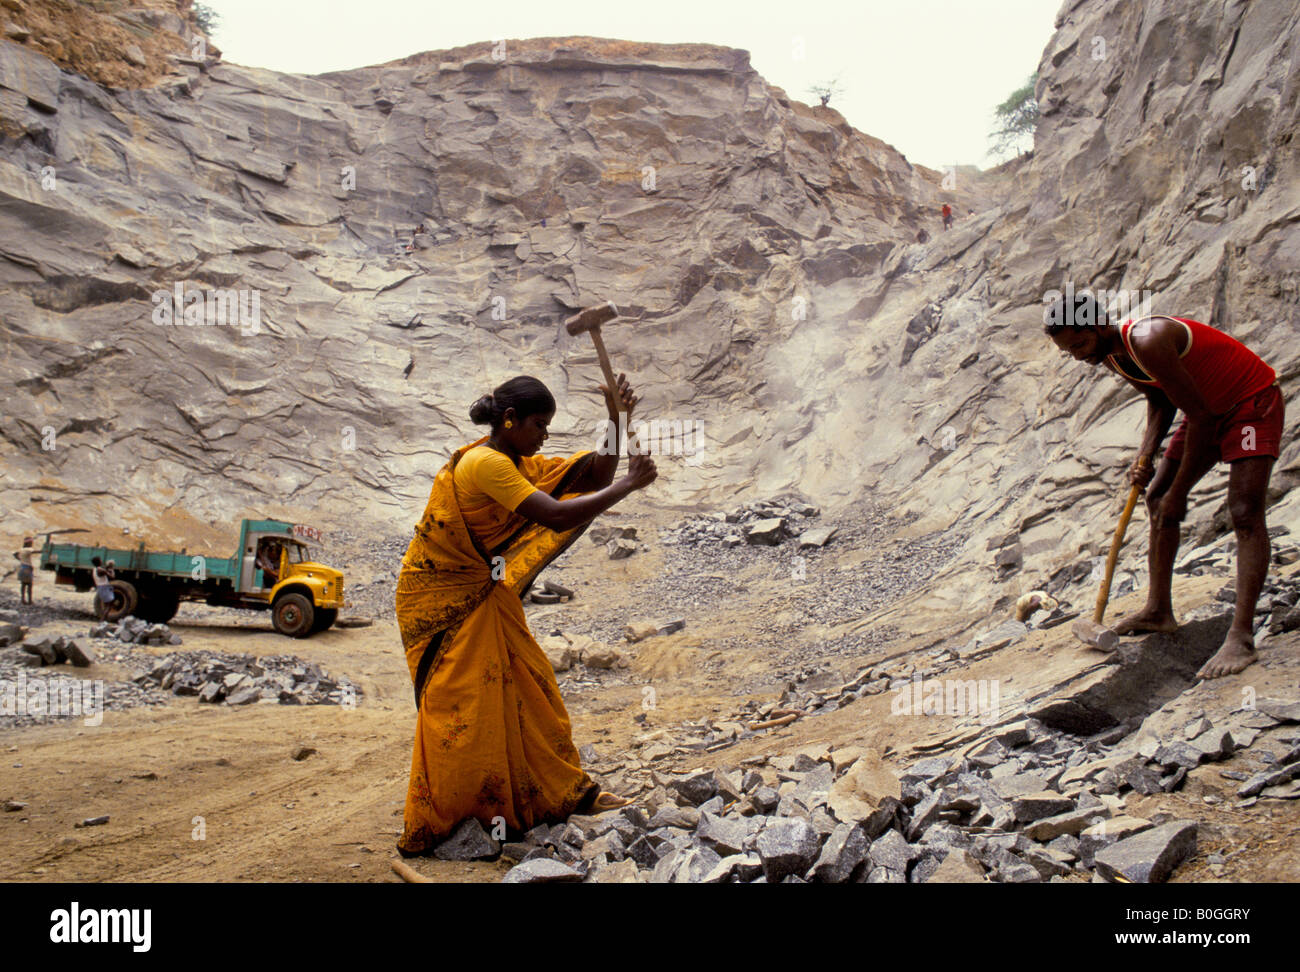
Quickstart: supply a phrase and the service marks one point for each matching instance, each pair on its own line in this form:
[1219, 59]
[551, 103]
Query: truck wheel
[293, 616]
[325, 617]
[125, 600]
[158, 606]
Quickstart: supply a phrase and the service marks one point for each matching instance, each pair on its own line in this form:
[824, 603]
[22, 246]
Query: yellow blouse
[485, 476]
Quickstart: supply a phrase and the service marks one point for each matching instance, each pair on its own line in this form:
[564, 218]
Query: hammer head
[591, 317]
[1095, 635]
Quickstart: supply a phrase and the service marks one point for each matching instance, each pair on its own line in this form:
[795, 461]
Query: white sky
[923, 75]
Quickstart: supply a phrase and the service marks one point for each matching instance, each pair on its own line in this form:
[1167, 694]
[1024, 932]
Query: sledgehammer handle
[1103, 595]
[589, 320]
[610, 380]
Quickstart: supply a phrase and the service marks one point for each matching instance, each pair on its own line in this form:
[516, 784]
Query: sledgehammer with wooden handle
[589, 319]
[1093, 633]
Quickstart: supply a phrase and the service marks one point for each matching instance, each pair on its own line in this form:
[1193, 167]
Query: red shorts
[1252, 427]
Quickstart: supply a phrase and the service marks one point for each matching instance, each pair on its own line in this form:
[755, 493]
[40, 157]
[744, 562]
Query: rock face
[120, 43]
[756, 247]
[669, 179]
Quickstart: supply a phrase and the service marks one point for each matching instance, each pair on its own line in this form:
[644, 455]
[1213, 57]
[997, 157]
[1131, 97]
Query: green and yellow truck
[271, 570]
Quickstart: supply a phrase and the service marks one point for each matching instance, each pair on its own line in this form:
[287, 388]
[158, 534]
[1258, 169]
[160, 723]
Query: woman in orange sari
[493, 739]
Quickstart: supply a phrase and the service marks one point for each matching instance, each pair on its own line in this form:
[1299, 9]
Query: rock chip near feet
[469, 841]
[541, 870]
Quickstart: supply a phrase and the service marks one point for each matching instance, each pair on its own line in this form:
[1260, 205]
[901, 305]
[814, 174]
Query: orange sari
[492, 738]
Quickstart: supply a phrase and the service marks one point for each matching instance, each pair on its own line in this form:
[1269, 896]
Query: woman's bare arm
[562, 515]
[600, 473]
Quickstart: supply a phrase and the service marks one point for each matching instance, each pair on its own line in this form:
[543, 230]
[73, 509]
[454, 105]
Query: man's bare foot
[608, 801]
[1236, 654]
[1144, 621]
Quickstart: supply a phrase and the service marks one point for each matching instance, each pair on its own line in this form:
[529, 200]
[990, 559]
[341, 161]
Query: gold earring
[509, 424]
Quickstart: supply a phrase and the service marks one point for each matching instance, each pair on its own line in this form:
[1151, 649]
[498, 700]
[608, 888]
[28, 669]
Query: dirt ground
[212, 793]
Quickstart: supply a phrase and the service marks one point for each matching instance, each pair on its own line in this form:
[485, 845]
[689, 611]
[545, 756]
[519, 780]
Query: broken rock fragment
[1148, 857]
[787, 847]
[467, 842]
[845, 850]
[620, 549]
[541, 870]
[890, 851]
[43, 648]
[767, 532]
[869, 794]
[958, 867]
[1072, 822]
[816, 537]
[1036, 806]
[640, 630]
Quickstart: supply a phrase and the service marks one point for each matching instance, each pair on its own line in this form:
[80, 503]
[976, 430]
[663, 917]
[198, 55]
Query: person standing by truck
[100, 576]
[24, 557]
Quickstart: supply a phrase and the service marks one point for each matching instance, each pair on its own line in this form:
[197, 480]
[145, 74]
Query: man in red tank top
[1233, 412]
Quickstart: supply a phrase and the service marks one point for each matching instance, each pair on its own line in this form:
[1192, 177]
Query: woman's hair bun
[480, 413]
[524, 393]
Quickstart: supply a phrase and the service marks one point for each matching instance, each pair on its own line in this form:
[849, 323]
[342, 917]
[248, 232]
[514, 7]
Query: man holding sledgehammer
[1233, 412]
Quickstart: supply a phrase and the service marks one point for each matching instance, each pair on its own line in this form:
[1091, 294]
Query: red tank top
[1224, 370]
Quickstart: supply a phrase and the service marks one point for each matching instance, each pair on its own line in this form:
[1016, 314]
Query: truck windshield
[297, 552]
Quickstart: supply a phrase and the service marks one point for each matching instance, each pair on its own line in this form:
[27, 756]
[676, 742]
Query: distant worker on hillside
[947, 217]
[24, 556]
[1233, 412]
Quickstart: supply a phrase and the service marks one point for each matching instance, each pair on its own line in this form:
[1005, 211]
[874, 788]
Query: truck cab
[277, 569]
